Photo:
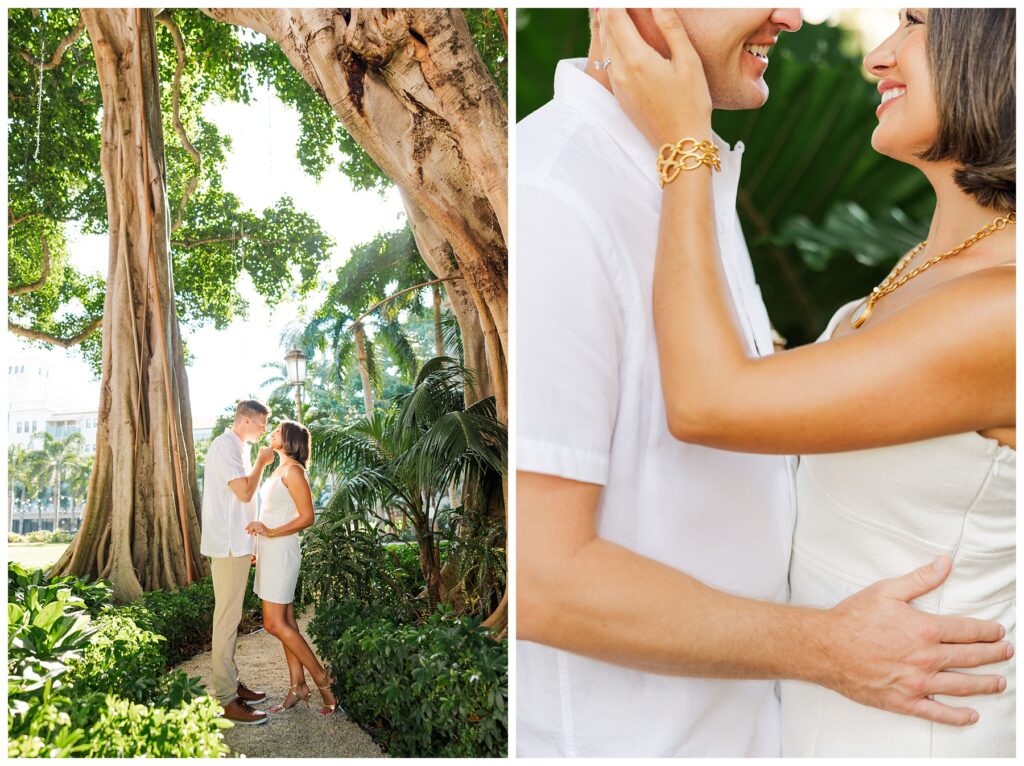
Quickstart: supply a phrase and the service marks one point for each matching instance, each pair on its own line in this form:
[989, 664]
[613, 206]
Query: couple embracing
[660, 527]
[239, 532]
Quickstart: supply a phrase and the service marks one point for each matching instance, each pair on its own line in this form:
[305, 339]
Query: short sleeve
[568, 340]
[231, 462]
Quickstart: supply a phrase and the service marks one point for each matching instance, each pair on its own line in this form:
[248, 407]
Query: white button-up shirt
[224, 515]
[589, 407]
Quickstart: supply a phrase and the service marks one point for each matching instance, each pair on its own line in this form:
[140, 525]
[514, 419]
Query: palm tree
[78, 481]
[56, 455]
[23, 473]
[406, 458]
[390, 263]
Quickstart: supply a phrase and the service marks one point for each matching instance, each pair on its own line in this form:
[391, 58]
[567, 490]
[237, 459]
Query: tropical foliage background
[825, 216]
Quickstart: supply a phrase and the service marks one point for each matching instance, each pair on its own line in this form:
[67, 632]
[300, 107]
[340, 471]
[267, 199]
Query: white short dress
[277, 558]
[870, 514]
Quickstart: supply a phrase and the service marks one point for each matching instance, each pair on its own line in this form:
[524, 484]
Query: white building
[39, 401]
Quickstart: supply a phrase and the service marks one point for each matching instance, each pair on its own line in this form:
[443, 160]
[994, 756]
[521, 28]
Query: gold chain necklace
[894, 281]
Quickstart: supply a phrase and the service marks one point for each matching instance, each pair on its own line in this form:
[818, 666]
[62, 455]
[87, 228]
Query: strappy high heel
[292, 692]
[326, 683]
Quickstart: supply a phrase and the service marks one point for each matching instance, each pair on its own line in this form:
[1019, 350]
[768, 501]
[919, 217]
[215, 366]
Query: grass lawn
[35, 554]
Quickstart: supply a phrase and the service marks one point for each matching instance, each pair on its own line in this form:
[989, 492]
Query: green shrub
[343, 559]
[38, 536]
[406, 556]
[78, 669]
[14, 538]
[46, 629]
[434, 690]
[106, 726]
[95, 595]
[122, 659]
[185, 616]
[60, 536]
[128, 730]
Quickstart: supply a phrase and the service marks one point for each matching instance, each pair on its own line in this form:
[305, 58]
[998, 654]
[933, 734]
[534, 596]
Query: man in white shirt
[647, 567]
[230, 482]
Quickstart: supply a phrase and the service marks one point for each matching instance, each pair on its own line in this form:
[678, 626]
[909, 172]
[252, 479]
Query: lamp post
[296, 362]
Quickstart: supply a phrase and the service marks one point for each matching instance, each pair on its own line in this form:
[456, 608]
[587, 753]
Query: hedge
[86, 678]
[439, 689]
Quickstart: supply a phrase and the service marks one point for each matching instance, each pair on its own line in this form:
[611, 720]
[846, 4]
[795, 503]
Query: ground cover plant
[87, 678]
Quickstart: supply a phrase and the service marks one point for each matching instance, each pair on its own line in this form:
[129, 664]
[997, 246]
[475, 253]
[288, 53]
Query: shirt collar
[578, 90]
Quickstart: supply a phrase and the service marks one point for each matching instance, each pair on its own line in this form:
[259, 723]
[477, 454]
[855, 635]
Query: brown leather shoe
[247, 694]
[239, 711]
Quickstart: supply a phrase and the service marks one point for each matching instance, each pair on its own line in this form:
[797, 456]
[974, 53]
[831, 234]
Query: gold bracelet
[687, 154]
[270, 531]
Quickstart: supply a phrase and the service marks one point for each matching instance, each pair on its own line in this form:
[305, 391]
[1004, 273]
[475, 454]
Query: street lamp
[296, 362]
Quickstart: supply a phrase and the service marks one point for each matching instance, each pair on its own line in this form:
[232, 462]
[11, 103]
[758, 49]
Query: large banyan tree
[403, 94]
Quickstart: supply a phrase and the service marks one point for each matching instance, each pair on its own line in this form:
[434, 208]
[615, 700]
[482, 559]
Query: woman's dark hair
[295, 441]
[972, 54]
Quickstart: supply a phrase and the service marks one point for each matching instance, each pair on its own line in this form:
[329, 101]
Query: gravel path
[298, 733]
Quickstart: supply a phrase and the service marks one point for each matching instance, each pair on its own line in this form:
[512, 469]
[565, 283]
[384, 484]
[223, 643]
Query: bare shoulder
[294, 474]
[971, 318]
[986, 298]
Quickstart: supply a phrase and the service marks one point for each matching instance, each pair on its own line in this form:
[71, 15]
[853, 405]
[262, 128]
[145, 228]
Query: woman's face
[908, 119]
[275, 438]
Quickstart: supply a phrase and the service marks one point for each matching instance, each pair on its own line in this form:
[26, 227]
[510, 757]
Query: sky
[260, 169]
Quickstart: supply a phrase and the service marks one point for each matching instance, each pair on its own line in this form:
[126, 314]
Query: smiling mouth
[892, 93]
[888, 96]
[758, 51]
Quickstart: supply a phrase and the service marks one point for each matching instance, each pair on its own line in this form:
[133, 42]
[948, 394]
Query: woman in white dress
[286, 508]
[904, 411]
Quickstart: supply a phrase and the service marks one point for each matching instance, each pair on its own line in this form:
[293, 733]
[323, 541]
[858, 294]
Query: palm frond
[399, 347]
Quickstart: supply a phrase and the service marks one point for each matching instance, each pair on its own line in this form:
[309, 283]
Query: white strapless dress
[277, 558]
[871, 514]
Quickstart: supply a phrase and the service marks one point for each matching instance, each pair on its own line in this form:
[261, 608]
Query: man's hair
[295, 441]
[248, 408]
[973, 60]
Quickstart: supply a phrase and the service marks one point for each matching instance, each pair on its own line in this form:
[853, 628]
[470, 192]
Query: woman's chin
[884, 144]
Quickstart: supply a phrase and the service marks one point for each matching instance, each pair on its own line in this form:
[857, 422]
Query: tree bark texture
[132, 526]
[437, 254]
[410, 87]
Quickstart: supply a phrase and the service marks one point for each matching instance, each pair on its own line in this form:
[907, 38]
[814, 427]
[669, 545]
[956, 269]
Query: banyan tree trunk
[142, 490]
[437, 254]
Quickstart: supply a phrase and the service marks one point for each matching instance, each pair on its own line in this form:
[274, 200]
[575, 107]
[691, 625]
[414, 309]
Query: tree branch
[15, 221]
[33, 286]
[390, 298]
[25, 332]
[58, 54]
[501, 20]
[164, 17]
[190, 243]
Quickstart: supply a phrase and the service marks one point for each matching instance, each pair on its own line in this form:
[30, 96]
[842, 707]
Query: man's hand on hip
[886, 654]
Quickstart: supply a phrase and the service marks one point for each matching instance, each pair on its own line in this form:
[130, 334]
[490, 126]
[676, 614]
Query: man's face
[257, 426]
[733, 44]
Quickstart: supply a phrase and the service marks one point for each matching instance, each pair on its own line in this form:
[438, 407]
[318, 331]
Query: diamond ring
[603, 64]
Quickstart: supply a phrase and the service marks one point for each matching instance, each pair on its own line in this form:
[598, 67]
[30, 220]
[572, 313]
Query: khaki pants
[230, 576]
